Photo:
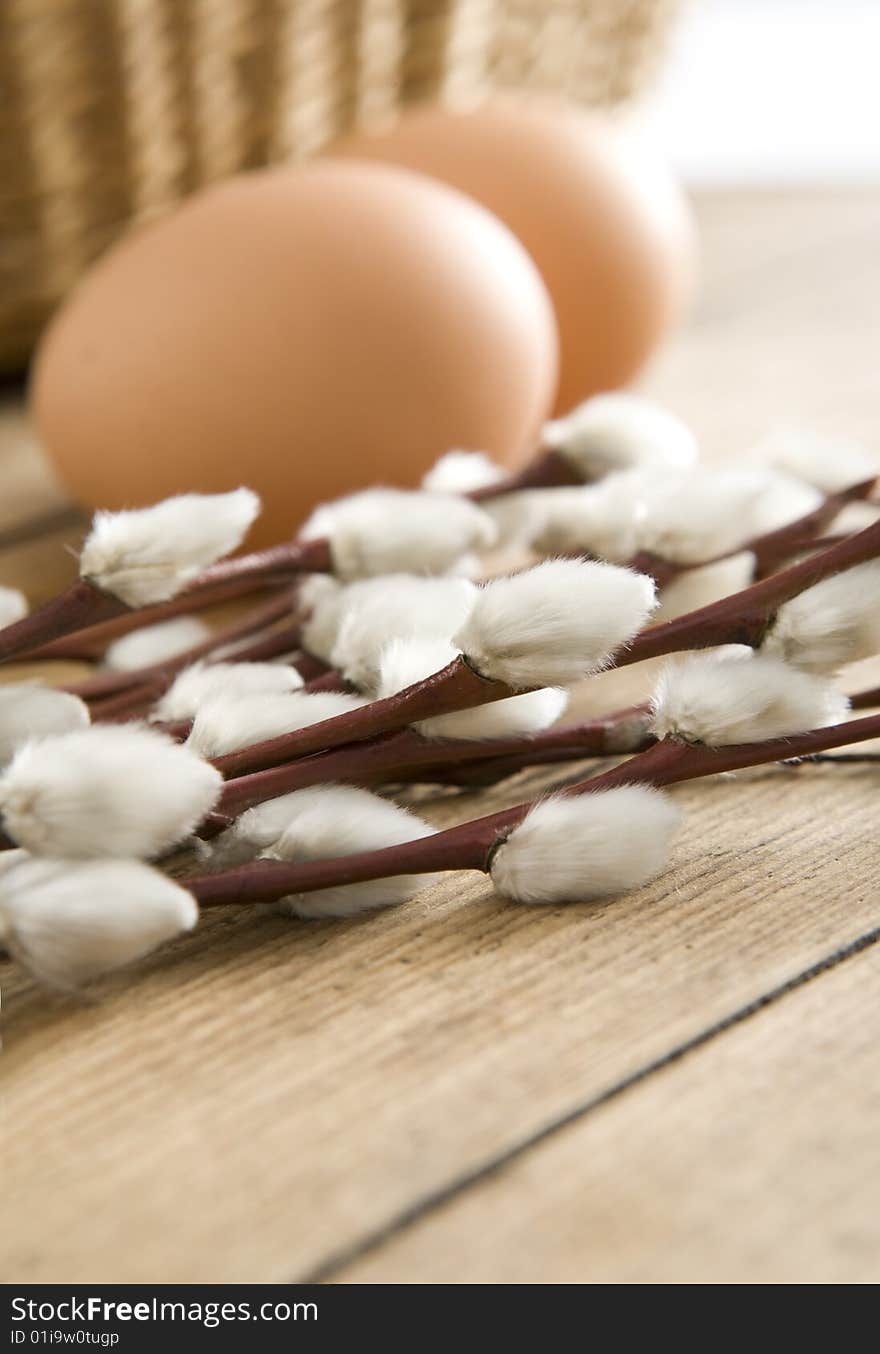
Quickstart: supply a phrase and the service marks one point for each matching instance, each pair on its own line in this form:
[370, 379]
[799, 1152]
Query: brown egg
[305, 331]
[608, 228]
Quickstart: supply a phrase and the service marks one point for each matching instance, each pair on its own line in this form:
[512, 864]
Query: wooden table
[678, 1086]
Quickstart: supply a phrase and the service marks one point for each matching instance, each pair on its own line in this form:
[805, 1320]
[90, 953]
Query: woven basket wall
[112, 110]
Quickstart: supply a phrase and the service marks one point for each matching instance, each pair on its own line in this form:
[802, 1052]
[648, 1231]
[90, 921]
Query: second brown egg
[606, 224]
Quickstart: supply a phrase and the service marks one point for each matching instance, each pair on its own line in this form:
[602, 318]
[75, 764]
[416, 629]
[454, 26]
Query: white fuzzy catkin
[68, 921]
[13, 606]
[695, 588]
[202, 682]
[459, 472]
[406, 661]
[155, 643]
[28, 710]
[226, 723]
[110, 790]
[709, 512]
[834, 623]
[383, 531]
[147, 555]
[518, 518]
[554, 624]
[574, 848]
[254, 831]
[329, 821]
[518, 716]
[830, 463]
[323, 599]
[732, 695]
[399, 605]
[782, 497]
[598, 519]
[617, 430]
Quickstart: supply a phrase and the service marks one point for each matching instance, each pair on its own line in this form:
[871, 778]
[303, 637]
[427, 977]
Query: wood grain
[753, 1159]
[266, 1099]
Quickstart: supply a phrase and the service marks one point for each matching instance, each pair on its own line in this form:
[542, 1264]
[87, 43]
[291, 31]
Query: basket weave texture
[113, 110]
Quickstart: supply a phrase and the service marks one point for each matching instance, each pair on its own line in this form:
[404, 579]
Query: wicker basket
[112, 110]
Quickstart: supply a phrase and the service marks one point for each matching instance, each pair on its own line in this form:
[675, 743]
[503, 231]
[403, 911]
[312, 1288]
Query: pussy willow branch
[865, 700]
[135, 702]
[745, 617]
[83, 605]
[470, 846]
[455, 687]
[401, 755]
[103, 684]
[772, 548]
[547, 470]
[741, 618]
[92, 642]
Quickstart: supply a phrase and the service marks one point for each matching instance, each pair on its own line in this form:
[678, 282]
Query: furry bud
[384, 531]
[338, 820]
[31, 711]
[834, 623]
[110, 790]
[459, 472]
[731, 695]
[554, 624]
[69, 920]
[695, 588]
[617, 430]
[399, 605]
[226, 723]
[147, 555]
[597, 519]
[13, 605]
[829, 463]
[323, 598]
[202, 682]
[155, 643]
[405, 662]
[577, 847]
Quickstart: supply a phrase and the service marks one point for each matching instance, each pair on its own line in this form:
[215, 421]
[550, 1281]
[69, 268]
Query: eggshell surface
[304, 331]
[606, 224]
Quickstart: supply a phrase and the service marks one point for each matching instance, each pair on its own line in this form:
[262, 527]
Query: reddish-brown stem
[865, 700]
[83, 605]
[630, 735]
[744, 617]
[280, 563]
[394, 756]
[134, 701]
[774, 548]
[108, 683]
[670, 761]
[771, 549]
[470, 846]
[331, 680]
[79, 606]
[91, 642]
[455, 687]
[274, 646]
[547, 470]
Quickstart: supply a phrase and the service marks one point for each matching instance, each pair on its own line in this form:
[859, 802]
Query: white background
[772, 92]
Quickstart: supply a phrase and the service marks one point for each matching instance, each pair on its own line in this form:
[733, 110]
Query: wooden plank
[753, 1159]
[301, 1085]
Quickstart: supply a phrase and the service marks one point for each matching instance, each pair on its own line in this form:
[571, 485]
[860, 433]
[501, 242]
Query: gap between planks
[332, 1268]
